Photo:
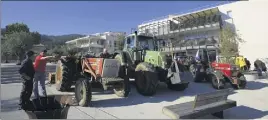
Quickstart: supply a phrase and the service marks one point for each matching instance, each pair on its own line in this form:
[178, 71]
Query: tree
[120, 42]
[3, 31]
[5, 50]
[37, 37]
[17, 27]
[19, 43]
[59, 50]
[229, 42]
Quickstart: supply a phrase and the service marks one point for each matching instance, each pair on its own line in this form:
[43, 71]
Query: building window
[229, 13]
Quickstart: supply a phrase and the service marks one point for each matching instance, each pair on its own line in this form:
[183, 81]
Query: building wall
[97, 42]
[250, 19]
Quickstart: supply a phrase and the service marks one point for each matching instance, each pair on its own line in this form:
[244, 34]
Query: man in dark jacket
[258, 64]
[27, 73]
[248, 63]
[105, 54]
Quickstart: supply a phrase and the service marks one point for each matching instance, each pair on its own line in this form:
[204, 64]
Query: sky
[88, 17]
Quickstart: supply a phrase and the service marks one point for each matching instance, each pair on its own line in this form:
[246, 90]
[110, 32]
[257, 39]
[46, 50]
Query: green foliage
[37, 37]
[19, 42]
[5, 50]
[3, 31]
[16, 39]
[16, 27]
[120, 42]
[229, 42]
[59, 50]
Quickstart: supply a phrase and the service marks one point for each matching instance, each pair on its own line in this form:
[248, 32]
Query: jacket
[27, 68]
[240, 61]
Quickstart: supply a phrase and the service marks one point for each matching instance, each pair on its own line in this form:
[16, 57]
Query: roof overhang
[197, 14]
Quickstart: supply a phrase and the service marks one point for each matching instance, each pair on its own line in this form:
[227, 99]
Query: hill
[50, 40]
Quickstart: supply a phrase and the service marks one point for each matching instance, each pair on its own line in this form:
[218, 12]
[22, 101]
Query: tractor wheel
[122, 89]
[146, 79]
[177, 87]
[63, 82]
[216, 83]
[83, 93]
[243, 82]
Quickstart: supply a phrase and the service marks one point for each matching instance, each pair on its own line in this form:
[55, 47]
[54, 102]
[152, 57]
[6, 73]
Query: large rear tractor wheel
[63, 82]
[146, 79]
[177, 87]
[216, 82]
[122, 89]
[83, 92]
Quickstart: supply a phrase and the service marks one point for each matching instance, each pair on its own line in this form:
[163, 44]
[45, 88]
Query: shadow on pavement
[244, 112]
[10, 105]
[162, 94]
[255, 85]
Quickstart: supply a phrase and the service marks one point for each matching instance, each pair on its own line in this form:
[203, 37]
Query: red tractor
[218, 70]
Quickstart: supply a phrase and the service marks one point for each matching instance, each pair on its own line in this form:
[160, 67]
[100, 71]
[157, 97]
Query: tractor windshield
[146, 42]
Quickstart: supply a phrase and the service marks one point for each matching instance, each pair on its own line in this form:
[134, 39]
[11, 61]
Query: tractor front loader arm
[86, 67]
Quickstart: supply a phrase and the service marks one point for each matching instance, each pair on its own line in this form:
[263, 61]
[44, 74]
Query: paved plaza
[251, 102]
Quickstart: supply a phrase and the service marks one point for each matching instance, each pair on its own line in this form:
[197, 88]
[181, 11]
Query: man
[258, 66]
[40, 76]
[248, 63]
[240, 61]
[105, 54]
[27, 73]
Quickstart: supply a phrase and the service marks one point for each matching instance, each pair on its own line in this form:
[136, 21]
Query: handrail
[189, 11]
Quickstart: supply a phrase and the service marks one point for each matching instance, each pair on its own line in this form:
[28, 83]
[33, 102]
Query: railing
[190, 11]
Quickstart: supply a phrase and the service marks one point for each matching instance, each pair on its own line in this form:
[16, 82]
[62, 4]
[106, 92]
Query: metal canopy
[198, 14]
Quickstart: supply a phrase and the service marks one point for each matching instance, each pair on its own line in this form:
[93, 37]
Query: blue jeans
[39, 77]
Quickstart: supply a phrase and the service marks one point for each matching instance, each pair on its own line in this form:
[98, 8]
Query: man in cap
[40, 76]
[27, 73]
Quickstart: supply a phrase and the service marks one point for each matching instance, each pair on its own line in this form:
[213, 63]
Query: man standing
[240, 61]
[40, 76]
[105, 54]
[258, 66]
[248, 63]
[27, 73]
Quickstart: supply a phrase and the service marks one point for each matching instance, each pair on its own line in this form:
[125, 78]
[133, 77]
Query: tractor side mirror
[136, 33]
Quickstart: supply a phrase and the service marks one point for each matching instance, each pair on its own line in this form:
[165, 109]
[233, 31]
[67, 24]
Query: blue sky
[86, 17]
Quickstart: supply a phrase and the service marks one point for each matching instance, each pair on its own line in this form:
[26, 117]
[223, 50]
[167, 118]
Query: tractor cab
[139, 42]
[137, 45]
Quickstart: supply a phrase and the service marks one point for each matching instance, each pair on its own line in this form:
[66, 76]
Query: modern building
[197, 28]
[97, 42]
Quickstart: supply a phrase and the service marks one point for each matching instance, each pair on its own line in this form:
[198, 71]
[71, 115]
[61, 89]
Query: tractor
[149, 66]
[90, 71]
[218, 70]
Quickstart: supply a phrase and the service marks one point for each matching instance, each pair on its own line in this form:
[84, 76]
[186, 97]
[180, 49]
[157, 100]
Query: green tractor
[149, 66]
